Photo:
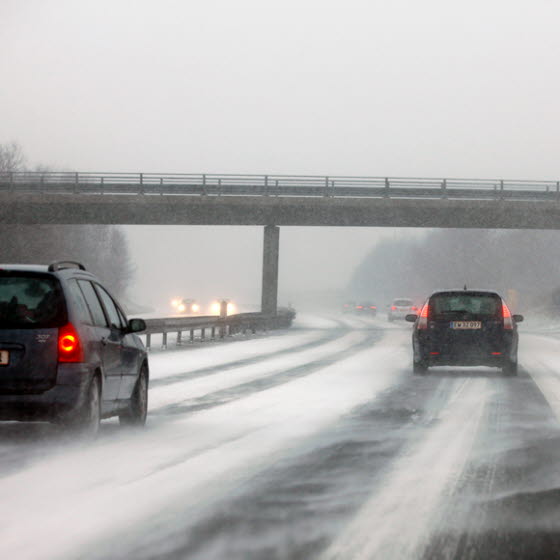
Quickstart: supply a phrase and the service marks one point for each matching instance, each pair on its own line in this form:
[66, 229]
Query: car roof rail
[62, 265]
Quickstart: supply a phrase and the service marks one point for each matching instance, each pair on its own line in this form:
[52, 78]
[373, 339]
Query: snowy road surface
[317, 442]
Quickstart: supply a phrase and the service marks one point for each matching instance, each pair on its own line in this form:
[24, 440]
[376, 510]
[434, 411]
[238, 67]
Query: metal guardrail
[274, 185]
[213, 326]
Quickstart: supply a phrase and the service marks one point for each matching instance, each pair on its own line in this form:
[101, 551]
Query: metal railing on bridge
[213, 326]
[152, 184]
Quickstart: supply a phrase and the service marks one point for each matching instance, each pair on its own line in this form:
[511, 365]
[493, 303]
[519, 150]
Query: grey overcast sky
[400, 87]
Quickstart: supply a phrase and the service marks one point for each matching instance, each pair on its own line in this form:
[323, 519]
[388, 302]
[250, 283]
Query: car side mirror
[518, 318]
[411, 318]
[136, 325]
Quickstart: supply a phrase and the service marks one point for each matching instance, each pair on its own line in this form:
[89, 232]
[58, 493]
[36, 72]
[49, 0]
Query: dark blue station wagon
[68, 354]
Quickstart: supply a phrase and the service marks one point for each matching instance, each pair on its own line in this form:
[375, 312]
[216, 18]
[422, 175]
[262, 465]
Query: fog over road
[315, 442]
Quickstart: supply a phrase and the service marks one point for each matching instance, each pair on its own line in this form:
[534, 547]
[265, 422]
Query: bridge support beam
[271, 246]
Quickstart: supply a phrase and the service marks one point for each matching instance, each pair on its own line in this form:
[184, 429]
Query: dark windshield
[30, 300]
[461, 305]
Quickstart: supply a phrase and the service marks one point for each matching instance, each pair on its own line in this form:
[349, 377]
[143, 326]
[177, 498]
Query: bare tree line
[102, 249]
[521, 264]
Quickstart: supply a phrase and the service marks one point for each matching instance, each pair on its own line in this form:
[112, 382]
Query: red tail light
[393, 308]
[69, 345]
[372, 307]
[359, 306]
[423, 320]
[506, 313]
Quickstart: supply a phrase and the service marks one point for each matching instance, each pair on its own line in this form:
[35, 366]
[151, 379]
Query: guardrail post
[161, 186]
[102, 184]
[219, 187]
[192, 335]
[76, 182]
[266, 185]
[213, 332]
[202, 333]
[386, 193]
[501, 189]
[164, 340]
[557, 190]
[141, 183]
[204, 184]
[148, 341]
[179, 337]
[326, 187]
[444, 189]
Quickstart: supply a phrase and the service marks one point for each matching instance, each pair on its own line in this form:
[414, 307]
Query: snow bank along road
[317, 442]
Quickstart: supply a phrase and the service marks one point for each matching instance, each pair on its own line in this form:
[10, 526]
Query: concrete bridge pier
[271, 245]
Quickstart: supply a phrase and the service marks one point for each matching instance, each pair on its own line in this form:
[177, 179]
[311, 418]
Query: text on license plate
[466, 325]
[4, 357]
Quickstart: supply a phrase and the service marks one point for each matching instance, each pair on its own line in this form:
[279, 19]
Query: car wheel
[419, 368]
[509, 368]
[137, 410]
[85, 422]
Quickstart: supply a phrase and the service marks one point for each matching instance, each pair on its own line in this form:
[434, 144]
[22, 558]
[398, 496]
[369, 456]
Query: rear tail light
[423, 319]
[506, 313]
[359, 306]
[393, 308]
[69, 345]
[372, 307]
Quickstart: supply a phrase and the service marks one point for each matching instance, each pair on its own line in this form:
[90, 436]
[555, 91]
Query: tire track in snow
[396, 521]
[264, 381]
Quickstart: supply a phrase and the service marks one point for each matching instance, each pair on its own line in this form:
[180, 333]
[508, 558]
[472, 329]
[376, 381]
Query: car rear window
[30, 300]
[465, 305]
[403, 302]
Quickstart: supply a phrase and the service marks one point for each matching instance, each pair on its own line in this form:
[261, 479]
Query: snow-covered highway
[316, 442]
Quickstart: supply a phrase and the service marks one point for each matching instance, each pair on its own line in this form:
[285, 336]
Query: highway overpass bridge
[276, 200]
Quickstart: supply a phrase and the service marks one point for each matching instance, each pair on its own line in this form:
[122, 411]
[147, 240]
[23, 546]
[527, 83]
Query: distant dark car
[67, 352]
[366, 308]
[465, 328]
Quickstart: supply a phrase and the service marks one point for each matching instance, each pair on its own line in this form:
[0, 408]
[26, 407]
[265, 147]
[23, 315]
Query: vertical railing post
[76, 182]
[102, 185]
[326, 187]
[141, 183]
[148, 341]
[557, 190]
[204, 184]
[501, 189]
[161, 186]
[266, 185]
[386, 193]
[164, 340]
[444, 189]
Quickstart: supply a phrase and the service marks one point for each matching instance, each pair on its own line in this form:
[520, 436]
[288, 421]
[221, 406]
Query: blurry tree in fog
[102, 249]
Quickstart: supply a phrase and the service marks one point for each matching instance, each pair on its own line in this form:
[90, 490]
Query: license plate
[466, 325]
[4, 357]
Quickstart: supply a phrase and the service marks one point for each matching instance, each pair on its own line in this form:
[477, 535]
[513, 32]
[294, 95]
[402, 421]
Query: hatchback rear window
[30, 300]
[465, 305]
[403, 302]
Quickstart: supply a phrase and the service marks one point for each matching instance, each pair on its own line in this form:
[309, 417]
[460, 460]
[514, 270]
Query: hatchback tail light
[393, 308]
[506, 313]
[423, 319]
[69, 345]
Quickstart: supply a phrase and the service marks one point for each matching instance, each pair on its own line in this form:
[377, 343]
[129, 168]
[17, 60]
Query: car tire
[419, 368]
[509, 368]
[85, 422]
[137, 411]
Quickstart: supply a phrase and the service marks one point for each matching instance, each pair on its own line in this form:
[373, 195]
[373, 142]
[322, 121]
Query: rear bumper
[61, 400]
